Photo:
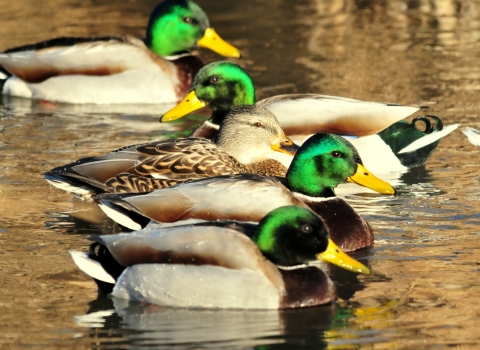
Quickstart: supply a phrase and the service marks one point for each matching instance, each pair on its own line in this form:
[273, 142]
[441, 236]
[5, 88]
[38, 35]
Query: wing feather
[310, 113]
[100, 57]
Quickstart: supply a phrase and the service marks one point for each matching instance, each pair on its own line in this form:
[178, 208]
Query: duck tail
[413, 145]
[433, 134]
[4, 75]
[86, 177]
[99, 264]
[418, 152]
[473, 135]
[421, 104]
[94, 269]
[121, 211]
[72, 185]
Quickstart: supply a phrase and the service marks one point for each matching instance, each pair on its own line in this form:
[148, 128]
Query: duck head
[326, 160]
[248, 133]
[220, 86]
[294, 235]
[176, 26]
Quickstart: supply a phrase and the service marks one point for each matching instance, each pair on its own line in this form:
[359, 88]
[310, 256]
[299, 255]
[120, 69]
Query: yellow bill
[211, 40]
[188, 105]
[336, 256]
[285, 145]
[365, 178]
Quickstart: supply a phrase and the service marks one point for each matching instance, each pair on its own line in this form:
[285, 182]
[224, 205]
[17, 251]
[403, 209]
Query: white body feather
[138, 75]
[473, 135]
[336, 114]
[197, 286]
[376, 155]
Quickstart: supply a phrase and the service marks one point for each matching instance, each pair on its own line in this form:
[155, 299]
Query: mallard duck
[215, 265]
[116, 69]
[321, 163]
[247, 135]
[384, 142]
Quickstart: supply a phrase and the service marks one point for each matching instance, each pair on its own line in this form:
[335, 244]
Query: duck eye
[188, 19]
[307, 228]
[215, 79]
[257, 124]
[336, 154]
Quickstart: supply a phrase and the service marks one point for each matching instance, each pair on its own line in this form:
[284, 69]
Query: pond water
[424, 291]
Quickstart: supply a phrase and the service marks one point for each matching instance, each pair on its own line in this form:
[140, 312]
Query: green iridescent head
[223, 86]
[291, 236]
[175, 26]
[322, 163]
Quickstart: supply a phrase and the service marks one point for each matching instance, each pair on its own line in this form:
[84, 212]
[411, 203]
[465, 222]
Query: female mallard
[215, 265]
[386, 144]
[117, 69]
[321, 163]
[246, 136]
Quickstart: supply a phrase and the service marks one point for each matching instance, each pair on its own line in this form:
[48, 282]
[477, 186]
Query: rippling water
[424, 290]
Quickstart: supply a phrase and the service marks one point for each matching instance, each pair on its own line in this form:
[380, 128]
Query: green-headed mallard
[215, 265]
[321, 163]
[385, 143]
[116, 69]
[247, 135]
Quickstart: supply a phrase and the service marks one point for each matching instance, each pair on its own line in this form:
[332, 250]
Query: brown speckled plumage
[248, 134]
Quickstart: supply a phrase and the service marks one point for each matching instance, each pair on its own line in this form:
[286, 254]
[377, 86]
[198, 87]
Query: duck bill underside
[285, 145]
[188, 105]
[365, 178]
[211, 40]
[334, 255]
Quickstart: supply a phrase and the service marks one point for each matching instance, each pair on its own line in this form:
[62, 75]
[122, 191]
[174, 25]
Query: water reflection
[83, 218]
[425, 284]
[154, 326]
[403, 40]
[345, 326]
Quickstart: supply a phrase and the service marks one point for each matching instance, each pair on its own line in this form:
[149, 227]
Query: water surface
[424, 289]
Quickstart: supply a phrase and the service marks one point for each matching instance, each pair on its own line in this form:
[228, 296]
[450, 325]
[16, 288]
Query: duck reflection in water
[150, 325]
[325, 327]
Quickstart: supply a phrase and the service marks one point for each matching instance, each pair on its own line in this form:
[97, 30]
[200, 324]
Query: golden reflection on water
[424, 289]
